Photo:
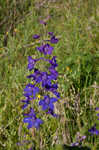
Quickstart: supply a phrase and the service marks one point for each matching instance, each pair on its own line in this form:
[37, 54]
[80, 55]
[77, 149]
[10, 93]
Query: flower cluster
[41, 80]
[79, 140]
[93, 129]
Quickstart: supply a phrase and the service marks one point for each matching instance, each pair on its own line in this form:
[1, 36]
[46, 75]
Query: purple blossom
[36, 36]
[49, 86]
[30, 148]
[93, 130]
[25, 105]
[52, 76]
[41, 48]
[50, 33]
[53, 62]
[51, 112]
[31, 90]
[97, 108]
[26, 101]
[32, 120]
[31, 62]
[54, 40]
[43, 22]
[37, 76]
[75, 144]
[79, 140]
[56, 93]
[83, 138]
[45, 79]
[53, 72]
[46, 49]
[46, 83]
[47, 102]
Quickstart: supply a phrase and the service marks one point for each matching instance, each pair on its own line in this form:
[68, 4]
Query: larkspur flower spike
[41, 81]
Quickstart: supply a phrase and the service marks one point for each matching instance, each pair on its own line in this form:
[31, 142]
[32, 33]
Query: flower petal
[41, 102]
[53, 99]
[36, 36]
[44, 107]
[27, 119]
[51, 106]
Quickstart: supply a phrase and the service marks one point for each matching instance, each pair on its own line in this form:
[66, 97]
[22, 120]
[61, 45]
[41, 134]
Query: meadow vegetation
[76, 25]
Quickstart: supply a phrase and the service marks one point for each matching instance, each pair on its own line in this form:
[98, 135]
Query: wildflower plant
[43, 83]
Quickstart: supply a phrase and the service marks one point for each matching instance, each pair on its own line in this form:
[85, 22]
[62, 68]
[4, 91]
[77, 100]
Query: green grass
[76, 23]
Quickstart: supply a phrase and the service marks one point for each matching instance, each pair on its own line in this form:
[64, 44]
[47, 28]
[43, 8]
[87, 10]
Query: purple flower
[26, 101]
[46, 83]
[48, 49]
[75, 144]
[30, 148]
[41, 48]
[79, 140]
[47, 102]
[97, 108]
[31, 90]
[50, 33]
[53, 72]
[31, 62]
[43, 22]
[45, 49]
[36, 36]
[31, 113]
[44, 79]
[51, 112]
[49, 86]
[83, 138]
[37, 76]
[53, 62]
[56, 93]
[93, 130]
[32, 120]
[54, 40]
[52, 76]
